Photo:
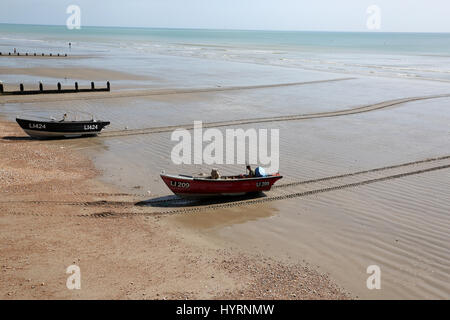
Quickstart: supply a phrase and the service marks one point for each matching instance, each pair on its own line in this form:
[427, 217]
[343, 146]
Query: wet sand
[344, 227]
[73, 73]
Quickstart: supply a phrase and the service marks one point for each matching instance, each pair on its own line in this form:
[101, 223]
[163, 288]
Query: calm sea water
[413, 43]
[399, 55]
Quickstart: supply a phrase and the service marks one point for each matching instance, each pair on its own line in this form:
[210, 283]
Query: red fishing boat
[202, 187]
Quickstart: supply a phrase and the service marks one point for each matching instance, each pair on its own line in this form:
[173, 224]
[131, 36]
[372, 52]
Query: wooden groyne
[58, 89]
[26, 54]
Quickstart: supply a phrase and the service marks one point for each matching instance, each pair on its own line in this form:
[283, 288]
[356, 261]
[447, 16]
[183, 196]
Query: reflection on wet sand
[221, 218]
[177, 202]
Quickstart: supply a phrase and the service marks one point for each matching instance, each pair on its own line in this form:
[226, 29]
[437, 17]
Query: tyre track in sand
[279, 192]
[110, 214]
[327, 114]
[291, 184]
[155, 92]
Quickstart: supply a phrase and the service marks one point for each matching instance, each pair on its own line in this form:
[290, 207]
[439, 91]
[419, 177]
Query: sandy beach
[129, 258]
[364, 152]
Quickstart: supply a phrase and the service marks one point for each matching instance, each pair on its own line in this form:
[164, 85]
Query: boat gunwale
[105, 123]
[220, 180]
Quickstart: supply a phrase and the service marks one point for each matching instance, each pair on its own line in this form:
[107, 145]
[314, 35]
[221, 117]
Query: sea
[422, 55]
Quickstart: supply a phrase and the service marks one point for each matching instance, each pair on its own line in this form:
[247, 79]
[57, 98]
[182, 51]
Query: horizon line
[229, 29]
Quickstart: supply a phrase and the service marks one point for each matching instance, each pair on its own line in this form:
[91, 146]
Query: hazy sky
[333, 15]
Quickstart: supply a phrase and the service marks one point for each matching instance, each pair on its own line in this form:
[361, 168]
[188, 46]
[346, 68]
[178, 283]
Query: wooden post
[51, 54]
[92, 85]
[108, 86]
[35, 54]
[0, 53]
[42, 54]
[65, 55]
[41, 86]
[21, 87]
[1, 87]
[59, 86]
[9, 53]
[26, 53]
[76, 86]
[58, 54]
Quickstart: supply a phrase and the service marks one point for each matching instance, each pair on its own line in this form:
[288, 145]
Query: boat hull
[65, 129]
[191, 187]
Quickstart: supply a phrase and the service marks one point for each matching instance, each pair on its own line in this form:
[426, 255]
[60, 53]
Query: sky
[320, 15]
